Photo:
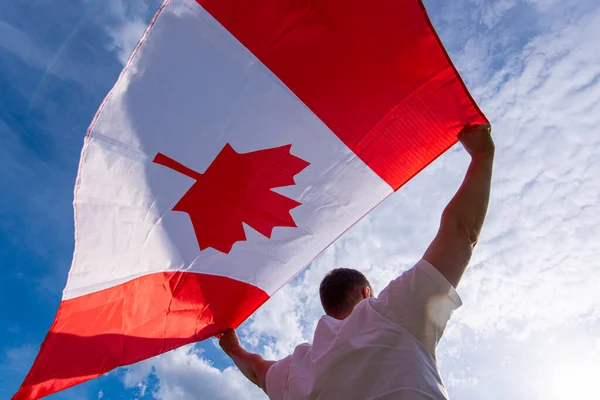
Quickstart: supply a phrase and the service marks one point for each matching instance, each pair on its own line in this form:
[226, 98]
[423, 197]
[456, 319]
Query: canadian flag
[241, 139]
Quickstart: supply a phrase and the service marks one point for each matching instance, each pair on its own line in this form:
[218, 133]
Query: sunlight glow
[571, 379]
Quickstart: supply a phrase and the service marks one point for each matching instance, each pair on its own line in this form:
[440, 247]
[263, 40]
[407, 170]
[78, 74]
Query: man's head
[341, 290]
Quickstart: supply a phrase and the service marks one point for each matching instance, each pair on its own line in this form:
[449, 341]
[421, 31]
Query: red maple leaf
[236, 188]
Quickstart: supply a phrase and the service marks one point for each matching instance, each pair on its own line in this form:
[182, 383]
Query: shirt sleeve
[422, 301]
[277, 379]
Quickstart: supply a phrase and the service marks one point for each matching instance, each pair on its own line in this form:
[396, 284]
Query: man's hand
[229, 341]
[253, 366]
[477, 140]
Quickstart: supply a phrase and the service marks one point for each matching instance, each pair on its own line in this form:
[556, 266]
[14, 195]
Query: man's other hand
[477, 140]
[253, 366]
[229, 341]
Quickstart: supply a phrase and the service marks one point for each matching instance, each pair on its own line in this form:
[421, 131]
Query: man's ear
[366, 292]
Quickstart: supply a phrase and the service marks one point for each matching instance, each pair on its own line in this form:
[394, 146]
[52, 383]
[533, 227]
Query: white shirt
[384, 350]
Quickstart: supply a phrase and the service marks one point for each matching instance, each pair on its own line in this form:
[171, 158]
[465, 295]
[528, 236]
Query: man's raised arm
[253, 366]
[462, 220]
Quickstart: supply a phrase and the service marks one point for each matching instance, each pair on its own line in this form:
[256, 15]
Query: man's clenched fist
[477, 140]
[229, 341]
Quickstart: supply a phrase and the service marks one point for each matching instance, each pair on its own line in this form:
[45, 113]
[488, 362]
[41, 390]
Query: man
[384, 347]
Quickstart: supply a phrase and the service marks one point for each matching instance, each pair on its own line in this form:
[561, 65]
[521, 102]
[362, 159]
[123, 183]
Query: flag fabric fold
[241, 139]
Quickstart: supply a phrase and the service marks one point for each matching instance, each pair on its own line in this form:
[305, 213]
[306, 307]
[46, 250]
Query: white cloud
[126, 37]
[185, 374]
[128, 21]
[136, 378]
[535, 271]
[491, 13]
[461, 378]
[539, 244]
[127, 28]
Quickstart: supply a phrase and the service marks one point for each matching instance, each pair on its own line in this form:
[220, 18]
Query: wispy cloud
[17, 42]
[128, 21]
[57, 62]
[51, 87]
[184, 373]
[14, 362]
[545, 103]
[18, 358]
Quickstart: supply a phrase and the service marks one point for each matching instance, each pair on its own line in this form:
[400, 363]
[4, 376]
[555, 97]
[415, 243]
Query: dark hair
[341, 290]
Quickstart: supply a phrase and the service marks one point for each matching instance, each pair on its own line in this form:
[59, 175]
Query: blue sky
[530, 324]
